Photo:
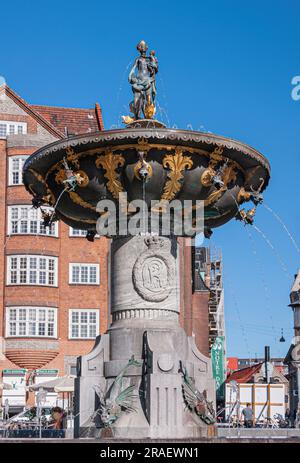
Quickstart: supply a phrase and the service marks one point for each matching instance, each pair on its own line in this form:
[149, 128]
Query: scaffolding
[216, 300]
[208, 270]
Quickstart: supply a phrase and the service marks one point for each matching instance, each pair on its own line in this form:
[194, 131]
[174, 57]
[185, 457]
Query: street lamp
[282, 339]
[40, 401]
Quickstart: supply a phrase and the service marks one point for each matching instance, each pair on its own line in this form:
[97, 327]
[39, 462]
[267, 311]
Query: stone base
[145, 309]
[160, 410]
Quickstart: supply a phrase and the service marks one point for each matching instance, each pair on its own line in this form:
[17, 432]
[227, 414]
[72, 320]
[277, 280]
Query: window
[72, 370]
[16, 164]
[84, 274]
[83, 324]
[12, 128]
[75, 232]
[29, 221]
[3, 129]
[31, 322]
[32, 270]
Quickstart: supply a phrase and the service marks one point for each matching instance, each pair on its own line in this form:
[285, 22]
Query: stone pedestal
[145, 308]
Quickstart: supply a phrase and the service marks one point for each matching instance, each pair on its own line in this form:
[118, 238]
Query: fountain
[145, 378]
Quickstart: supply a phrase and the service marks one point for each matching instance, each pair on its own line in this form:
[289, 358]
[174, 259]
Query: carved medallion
[153, 271]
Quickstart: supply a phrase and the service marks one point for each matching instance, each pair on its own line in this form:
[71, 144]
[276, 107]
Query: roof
[59, 120]
[75, 120]
[245, 374]
[295, 291]
[288, 357]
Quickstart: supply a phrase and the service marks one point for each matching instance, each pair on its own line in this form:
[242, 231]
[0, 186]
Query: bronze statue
[142, 80]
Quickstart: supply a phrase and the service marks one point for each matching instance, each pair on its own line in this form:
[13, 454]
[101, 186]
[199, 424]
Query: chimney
[267, 359]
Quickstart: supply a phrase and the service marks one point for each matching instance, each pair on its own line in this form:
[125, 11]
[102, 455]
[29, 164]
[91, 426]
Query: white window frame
[28, 271]
[80, 324]
[11, 159]
[27, 323]
[81, 265]
[73, 233]
[80, 234]
[33, 217]
[15, 126]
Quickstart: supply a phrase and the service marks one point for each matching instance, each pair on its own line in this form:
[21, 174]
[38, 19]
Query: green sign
[218, 365]
[14, 372]
[47, 372]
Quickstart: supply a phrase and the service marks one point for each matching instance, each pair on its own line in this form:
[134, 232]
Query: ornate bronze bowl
[146, 160]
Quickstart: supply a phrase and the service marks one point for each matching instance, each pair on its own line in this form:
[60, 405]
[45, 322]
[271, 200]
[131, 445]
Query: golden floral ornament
[176, 163]
[216, 156]
[110, 163]
[61, 175]
[72, 157]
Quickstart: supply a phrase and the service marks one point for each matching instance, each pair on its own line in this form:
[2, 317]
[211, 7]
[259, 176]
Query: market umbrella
[61, 384]
[5, 386]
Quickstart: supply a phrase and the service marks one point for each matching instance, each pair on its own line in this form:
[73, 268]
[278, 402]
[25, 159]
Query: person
[57, 414]
[6, 409]
[247, 413]
[288, 417]
[294, 416]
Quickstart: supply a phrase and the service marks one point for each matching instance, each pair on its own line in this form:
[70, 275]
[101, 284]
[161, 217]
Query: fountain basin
[182, 165]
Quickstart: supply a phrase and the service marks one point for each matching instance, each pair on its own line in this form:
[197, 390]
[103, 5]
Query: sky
[225, 67]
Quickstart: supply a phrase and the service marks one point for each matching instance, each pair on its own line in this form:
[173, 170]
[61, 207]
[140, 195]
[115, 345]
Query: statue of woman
[142, 80]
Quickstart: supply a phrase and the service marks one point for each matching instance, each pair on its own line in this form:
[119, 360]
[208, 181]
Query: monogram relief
[153, 271]
[154, 274]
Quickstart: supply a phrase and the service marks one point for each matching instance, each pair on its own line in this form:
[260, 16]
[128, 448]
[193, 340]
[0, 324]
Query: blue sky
[225, 67]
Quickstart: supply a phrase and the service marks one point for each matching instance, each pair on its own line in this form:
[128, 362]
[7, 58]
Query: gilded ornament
[177, 163]
[60, 175]
[243, 196]
[142, 164]
[72, 157]
[216, 156]
[78, 200]
[49, 197]
[143, 145]
[149, 109]
[207, 177]
[110, 162]
[82, 178]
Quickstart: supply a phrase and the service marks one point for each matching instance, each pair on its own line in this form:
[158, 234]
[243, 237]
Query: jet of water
[273, 249]
[266, 290]
[284, 226]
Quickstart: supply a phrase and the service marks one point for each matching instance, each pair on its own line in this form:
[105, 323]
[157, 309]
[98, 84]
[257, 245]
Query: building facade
[53, 282]
[262, 385]
[292, 359]
[202, 295]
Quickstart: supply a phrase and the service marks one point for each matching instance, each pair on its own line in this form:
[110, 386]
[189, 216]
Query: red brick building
[53, 282]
